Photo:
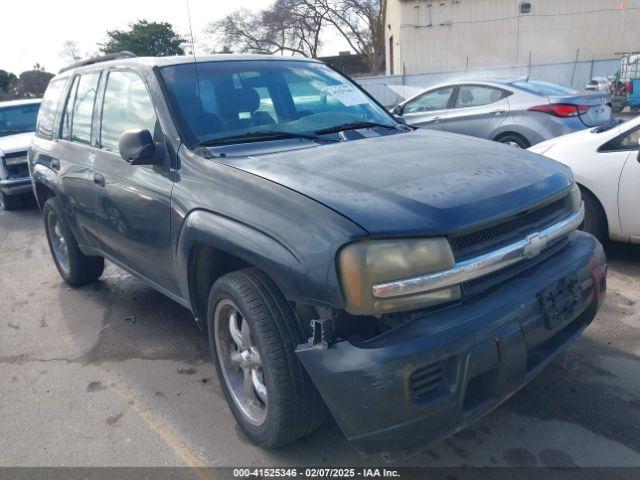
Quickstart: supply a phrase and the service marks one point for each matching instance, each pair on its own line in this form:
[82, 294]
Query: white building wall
[445, 35]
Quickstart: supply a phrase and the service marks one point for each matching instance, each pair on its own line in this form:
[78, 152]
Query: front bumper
[433, 376]
[15, 186]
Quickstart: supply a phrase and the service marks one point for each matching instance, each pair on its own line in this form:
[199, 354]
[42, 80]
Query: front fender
[284, 266]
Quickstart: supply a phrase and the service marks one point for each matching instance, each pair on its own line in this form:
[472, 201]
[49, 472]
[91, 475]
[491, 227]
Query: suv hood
[416, 183]
[15, 143]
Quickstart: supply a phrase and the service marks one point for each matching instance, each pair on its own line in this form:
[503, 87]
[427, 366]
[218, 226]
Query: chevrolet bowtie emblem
[534, 244]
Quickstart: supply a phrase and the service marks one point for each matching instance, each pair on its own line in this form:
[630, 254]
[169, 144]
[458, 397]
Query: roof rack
[102, 58]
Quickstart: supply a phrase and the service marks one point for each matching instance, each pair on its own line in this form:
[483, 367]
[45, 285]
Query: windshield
[546, 89]
[257, 99]
[18, 119]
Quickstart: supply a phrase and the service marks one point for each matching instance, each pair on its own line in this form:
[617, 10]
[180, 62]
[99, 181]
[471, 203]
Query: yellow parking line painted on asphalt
[181, 451]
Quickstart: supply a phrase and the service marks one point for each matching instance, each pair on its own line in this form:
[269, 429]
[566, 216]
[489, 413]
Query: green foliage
[33, 83]
[144, 38]
[8, 83]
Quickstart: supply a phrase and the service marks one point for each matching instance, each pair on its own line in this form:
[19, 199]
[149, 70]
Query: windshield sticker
[346, 94]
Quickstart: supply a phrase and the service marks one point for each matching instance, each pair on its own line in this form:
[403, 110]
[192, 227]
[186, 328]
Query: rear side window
[83, 108]
[477, 95]
[49, 108]
[127, 106]
[78, 113]
[67, 115]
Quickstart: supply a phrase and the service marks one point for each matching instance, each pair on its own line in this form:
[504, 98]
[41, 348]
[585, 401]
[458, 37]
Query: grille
[480, 284]
[16, 171]
[482, 241]
[428, 380]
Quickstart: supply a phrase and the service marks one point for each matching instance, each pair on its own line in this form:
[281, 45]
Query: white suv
[17, 125]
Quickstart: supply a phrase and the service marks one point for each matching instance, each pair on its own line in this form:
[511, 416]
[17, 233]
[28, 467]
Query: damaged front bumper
[427, 379]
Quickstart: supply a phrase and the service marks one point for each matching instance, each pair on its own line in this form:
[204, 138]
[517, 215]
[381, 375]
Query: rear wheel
[514, 140]
[595, 221]
[253, 335]
[9, 202]
[74, 267]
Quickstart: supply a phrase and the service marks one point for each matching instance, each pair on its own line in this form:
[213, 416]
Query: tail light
[561, 109]
[629, 87]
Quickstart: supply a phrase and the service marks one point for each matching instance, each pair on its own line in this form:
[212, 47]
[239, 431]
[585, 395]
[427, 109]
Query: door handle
[98, 179]
[498, 112]
[436, 120]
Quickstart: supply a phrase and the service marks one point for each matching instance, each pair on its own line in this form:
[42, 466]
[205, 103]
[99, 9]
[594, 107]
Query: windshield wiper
[354, 126]
[607, 126]
[263, 135]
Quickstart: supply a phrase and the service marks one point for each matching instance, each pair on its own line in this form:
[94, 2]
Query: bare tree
[288, 26]
[359, 22]
[295, 26]
[70, 51]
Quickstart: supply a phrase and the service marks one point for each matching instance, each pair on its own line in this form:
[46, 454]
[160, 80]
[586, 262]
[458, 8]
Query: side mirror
[397, 110]
[137, 147]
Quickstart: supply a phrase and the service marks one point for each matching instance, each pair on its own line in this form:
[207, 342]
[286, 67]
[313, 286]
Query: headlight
[575, 198]
[19, 160]
[369, 262]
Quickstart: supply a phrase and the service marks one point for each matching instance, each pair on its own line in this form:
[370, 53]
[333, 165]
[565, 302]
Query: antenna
[193, 45]
[195, 66]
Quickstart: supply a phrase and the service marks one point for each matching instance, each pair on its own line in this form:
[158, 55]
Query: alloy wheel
[58, 242]
[240, 362]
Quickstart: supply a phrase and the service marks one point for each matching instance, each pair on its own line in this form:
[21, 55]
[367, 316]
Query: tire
[595, 221]
[514, 140]
[9, 202]
[290, 406]
[75, 268]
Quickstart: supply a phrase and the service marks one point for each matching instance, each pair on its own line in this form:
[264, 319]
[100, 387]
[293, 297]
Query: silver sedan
[518, 112]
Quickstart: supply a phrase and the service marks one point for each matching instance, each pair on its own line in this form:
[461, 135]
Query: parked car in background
[606, 165]
[626, 85]
[599, 84]
[520, 113]
[17, 124]
[408, 280]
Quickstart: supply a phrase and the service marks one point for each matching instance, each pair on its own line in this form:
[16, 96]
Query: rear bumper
[430, 378]
[15, 186]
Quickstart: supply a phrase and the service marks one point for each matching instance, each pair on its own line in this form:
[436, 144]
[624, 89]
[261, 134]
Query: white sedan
[606, 164]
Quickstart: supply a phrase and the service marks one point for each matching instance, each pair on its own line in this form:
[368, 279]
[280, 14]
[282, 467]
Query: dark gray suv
[404, 281]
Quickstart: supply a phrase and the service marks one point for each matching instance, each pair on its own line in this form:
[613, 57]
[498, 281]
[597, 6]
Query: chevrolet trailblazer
[404, 281]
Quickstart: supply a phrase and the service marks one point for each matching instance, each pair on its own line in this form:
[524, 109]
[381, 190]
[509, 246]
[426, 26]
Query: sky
[34, 31]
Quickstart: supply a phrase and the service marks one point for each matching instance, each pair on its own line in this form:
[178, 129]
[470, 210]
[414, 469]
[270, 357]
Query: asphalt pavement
[115, 374]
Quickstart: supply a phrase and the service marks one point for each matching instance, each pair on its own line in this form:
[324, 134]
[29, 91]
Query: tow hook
[321, 333]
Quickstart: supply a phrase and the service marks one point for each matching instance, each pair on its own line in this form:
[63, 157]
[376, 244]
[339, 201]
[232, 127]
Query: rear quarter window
[49, 108]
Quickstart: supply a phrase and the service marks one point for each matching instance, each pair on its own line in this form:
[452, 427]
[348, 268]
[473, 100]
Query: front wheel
[74, 267]
[595, 220]
[253, 335]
